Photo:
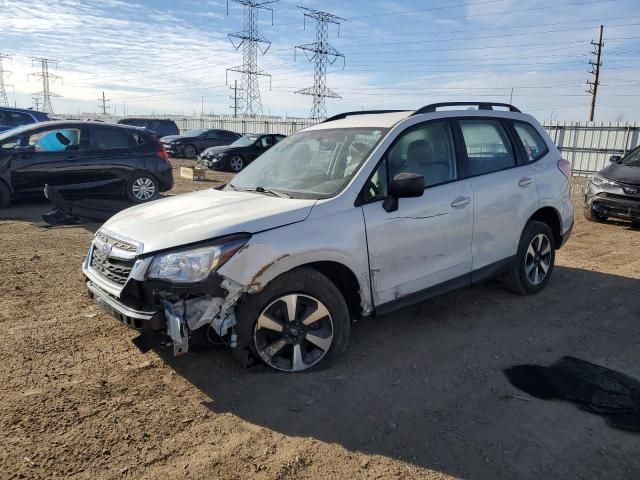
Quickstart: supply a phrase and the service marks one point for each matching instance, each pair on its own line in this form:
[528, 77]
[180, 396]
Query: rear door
[50, 157]
[427, 240]
[504, 189]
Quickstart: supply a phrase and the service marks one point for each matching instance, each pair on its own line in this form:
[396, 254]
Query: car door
[48, 156]
[504, 189]
[260, 146]
[427, 240]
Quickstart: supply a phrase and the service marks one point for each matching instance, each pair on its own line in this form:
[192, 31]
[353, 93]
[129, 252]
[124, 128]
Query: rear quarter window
[110, 138]
[534, 146]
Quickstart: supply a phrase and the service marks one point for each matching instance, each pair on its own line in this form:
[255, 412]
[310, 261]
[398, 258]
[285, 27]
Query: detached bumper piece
[618, 206]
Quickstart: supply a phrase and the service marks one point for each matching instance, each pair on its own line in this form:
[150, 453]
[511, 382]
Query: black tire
[306, 283]
[519, 278]
[236, 163]
[5, 196]
[592, 216]
[142, 187]
[190, 151]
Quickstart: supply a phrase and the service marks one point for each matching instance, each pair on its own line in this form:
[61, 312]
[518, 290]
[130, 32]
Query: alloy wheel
[537, 260]
[143, 188]
[236, 163]
[293, 333]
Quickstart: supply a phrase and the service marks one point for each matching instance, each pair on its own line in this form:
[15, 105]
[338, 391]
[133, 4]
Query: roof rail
[340, 116]
[481, 106]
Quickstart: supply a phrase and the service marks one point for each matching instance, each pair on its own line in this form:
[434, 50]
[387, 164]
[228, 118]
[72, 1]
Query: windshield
[195, 133]
[311, 164]
[245, 141]
[633, 159]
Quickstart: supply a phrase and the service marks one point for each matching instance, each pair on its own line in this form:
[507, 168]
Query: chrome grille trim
[112, 258]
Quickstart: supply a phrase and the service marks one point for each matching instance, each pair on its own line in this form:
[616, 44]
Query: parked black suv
[615, 190]
[16, 117]
[240, 153]
[160, 128]
[195, 141]
[118, 161]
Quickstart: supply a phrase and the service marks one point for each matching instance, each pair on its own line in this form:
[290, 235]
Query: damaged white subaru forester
[357, 216]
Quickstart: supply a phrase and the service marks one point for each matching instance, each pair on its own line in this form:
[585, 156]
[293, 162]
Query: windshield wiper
[267, 191]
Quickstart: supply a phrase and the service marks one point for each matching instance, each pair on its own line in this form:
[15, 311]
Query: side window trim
[457, 152]
[519, 141]
[516, 143]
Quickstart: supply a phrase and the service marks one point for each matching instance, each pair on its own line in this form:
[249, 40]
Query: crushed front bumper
[612, 205]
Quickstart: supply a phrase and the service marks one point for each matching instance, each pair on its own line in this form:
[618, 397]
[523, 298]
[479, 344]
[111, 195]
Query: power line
[251, 42]
[46, 93]
[4, 100]
[320, 53]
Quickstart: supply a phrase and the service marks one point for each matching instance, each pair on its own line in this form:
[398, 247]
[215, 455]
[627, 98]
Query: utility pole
[321, 54]
[46, 93]
[4, 100]
[251, 42]
[595, 71]
[36, 101]
[511, 96]
[103, 104]
[235, 98]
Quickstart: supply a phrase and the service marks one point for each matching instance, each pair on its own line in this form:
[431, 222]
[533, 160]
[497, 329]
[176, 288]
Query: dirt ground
[419, 394]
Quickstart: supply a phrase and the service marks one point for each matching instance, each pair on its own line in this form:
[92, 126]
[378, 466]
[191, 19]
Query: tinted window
[533, 143]
[228, 135]
[487, 146]
[212, 135]
[426, 150]
[14, 119]
[58, 140]
[109, 138]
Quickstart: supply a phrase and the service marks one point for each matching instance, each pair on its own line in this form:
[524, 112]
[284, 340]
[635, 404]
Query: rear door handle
[524, 181]
[461, 202]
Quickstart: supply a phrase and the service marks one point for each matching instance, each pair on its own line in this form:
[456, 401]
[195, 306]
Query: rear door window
[534, 145]
[488, 147]
[110, 139]
[15, 119]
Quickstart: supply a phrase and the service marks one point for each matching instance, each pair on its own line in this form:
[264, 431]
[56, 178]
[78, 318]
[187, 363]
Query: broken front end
[173, 292]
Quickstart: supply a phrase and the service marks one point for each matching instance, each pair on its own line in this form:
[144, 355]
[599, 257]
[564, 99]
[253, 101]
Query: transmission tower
[320, 53]
[251, 42]
[595, 71]
[46, 93]
[4, 101]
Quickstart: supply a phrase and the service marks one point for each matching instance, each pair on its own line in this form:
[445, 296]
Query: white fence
[587, 145]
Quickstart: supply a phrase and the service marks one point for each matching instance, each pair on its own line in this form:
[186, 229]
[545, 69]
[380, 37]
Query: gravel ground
[419, 394]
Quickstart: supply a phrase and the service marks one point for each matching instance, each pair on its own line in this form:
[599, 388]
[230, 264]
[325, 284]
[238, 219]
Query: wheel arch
[551, 217]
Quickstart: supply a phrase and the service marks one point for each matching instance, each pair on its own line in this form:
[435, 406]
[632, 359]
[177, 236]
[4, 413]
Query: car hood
[193, 217]
[220, 149]
[622, 173]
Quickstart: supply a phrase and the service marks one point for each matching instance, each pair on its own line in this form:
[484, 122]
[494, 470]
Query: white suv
[359, 215]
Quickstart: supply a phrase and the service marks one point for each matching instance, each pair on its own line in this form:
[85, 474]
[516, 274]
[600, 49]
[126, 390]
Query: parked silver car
[359, 215]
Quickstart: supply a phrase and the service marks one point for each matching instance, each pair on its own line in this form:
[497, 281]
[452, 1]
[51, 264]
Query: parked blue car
[16, 117]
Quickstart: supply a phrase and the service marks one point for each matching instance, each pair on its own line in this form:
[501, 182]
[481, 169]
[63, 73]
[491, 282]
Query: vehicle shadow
[31, 211]
[425, 385]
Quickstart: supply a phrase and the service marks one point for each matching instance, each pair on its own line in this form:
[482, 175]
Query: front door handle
[461, 202]
[524, 181]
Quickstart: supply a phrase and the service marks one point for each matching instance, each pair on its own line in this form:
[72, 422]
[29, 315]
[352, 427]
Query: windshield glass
[245, 141]
[633, 159]
[195, 133]
[311, 164]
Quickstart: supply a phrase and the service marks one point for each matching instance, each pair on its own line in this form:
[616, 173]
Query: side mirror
[615, 158]
[403, 185]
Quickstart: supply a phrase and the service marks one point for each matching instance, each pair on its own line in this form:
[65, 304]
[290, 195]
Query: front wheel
[534, 261]
[298, 322]
[142, 187]
[236, 163]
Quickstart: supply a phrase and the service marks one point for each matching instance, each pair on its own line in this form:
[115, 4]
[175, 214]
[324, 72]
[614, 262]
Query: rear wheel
[142, 187]
[236, 163]
[5, 196]
[534, 261]
[299, 322]
[190, 151]
[592, 216]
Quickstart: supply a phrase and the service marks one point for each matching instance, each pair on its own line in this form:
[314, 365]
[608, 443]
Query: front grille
[117, 271]
[113, 258]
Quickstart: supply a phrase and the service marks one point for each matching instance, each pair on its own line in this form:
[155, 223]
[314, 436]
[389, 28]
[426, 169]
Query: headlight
[599, 181]
[194, 265]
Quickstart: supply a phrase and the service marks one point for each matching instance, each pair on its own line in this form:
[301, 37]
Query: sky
[170, 57]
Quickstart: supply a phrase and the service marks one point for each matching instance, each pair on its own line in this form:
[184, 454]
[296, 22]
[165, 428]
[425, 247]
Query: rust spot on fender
[255, 284]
